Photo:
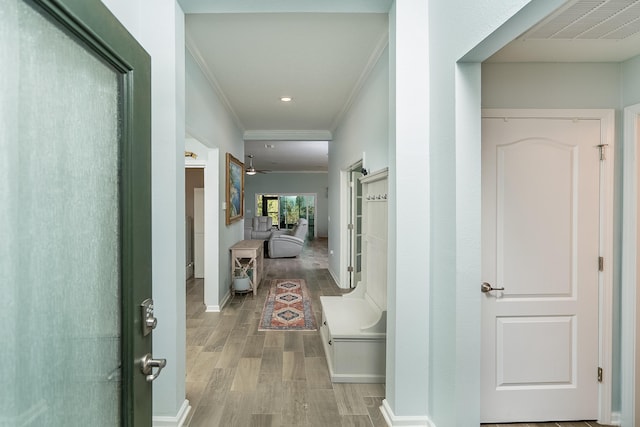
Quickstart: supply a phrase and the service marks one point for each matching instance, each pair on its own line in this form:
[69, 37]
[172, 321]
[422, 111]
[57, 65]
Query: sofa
[259, 228]
[288, 243]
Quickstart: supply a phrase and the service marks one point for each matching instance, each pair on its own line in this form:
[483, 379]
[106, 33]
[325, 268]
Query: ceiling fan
[250, 170]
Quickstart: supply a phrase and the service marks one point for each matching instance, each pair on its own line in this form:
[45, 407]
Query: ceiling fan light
[251, 171]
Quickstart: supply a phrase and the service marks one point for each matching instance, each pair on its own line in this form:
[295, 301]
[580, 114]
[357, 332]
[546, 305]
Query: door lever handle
[147, 365]
[486, 287]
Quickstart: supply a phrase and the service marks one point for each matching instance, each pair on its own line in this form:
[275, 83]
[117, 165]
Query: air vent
[591, 20]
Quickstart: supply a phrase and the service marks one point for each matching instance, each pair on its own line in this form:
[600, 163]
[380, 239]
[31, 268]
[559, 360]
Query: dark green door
[75, 217]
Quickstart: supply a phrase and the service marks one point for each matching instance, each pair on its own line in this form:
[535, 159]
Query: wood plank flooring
[240, 377]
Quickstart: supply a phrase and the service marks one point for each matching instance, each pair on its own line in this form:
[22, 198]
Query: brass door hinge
[600, 263]
[599, 374]
[350, 269]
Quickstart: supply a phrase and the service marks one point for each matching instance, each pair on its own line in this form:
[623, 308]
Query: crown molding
[202, 64]
[287, 135]
[383, 42]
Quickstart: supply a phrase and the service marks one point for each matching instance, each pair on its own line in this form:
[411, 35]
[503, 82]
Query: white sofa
[288, 243]
[259, 228]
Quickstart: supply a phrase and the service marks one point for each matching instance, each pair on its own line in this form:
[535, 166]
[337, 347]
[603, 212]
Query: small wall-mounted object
[190, 154]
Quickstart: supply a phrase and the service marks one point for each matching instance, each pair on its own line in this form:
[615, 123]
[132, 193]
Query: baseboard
[616, 418]
[403, 421]
[218, 308]
[334, 277]
[177, 421]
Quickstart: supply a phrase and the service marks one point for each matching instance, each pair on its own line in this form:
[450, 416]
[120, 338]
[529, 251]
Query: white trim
[288, 135]
[334, 276]
[403, 421]
[615, 419]
[607, 120]
[629, 278]
[177, 421]
[215, 85]
[383, 42]
[218, 308]
[343, 219]
[212, 228]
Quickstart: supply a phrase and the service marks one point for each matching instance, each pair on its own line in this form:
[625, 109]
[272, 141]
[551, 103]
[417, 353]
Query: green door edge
[94, 24]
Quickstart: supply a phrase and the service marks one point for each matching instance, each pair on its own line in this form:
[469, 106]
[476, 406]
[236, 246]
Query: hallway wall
[211, 124]
[364, 129]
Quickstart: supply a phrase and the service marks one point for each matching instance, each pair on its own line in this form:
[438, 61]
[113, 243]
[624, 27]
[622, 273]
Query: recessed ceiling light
[286, 99]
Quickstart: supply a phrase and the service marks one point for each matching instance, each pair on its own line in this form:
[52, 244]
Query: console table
[247, 255]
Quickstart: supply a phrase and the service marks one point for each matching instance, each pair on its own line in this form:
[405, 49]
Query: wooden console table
[248, 255]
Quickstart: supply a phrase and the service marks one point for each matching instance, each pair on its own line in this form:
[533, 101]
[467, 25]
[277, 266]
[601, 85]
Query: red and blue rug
[288, 307]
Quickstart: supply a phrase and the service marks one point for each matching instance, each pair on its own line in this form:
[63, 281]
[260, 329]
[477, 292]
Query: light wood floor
[240, 377]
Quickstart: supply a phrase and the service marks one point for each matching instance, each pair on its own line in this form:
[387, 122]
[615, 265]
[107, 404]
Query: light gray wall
[211, 124]
[364, 129]
[631, 82]
[551, 85]
[452, 154]
[569, 85]
[281, 183]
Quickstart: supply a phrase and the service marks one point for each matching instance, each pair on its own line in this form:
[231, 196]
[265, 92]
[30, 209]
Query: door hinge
[350, 269]
[599, 374]
[350, 227]
[603, 154]
[600, 263]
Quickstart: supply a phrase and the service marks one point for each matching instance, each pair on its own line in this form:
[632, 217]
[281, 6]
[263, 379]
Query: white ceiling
[253, 54]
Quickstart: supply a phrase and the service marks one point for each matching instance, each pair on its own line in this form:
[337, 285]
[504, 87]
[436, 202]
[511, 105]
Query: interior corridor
[238, 376]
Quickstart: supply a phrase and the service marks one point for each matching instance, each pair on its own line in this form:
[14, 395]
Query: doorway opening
[354, 226]
[286, 209]
[194, 222]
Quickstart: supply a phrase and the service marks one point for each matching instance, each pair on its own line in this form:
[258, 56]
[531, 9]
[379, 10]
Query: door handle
[147, 365]
[486, 287]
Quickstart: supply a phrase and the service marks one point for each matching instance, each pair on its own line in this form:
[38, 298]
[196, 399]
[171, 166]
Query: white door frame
[343, 274]
[209, 162]
[605, 309]
[629, 327]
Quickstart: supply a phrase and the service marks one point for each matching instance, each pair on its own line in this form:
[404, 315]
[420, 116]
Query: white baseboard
[334, 277]
[177, 421]
[218, 308]
[616, 419]
[403, 421]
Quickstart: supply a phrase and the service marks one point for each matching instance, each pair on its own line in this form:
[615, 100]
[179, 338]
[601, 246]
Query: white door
[540, 242]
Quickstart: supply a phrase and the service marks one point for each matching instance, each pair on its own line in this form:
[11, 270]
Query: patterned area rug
[288, 307]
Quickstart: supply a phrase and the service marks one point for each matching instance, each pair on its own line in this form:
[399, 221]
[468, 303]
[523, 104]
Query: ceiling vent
[590, 20]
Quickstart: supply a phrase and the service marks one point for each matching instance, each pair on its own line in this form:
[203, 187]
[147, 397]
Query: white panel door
[540, 242]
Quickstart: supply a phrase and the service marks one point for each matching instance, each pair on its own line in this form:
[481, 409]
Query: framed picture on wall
[234, 189]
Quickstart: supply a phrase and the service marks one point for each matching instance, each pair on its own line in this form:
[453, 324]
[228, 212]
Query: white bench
[354, 337]
[354, 326]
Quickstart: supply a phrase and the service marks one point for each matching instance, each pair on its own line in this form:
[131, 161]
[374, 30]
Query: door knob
[147, 365]
[486, 287]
